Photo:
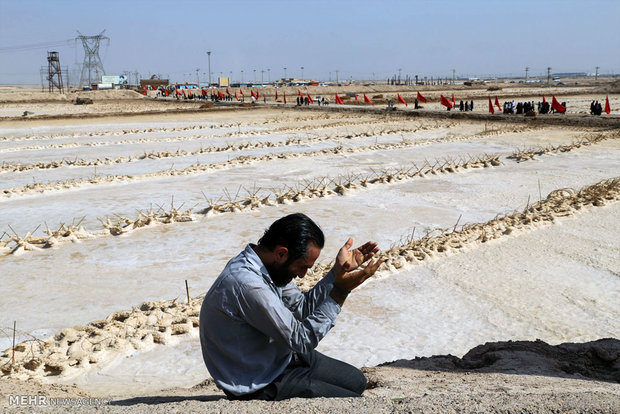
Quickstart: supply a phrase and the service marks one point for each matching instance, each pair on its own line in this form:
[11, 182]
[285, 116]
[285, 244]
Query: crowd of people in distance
[508, 108]
[596, 108]
[303, 101]
[522, 107]
[467, 106]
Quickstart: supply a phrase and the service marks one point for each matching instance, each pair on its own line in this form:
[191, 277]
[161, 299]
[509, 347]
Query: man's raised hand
[347, 261]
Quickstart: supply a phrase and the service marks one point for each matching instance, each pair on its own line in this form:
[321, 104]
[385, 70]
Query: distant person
[416, 104]
[471, 105]
[461, 106]
[259, 331]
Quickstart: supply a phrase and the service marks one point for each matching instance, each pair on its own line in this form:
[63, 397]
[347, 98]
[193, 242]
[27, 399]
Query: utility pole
[399, 70]
[337, 75]
[453, 75]
[285, 72]
[198, 77]
[92, 61]
[262, 73]
[527, 69]
[268, 75]
[241, 75]
[596, 74]
[302, 73]
[548, 76]
[209, 59]
[254, 75]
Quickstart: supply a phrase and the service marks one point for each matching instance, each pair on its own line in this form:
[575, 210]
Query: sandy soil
[506, 377]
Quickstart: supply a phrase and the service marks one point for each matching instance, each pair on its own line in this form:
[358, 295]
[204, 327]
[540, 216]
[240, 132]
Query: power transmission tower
[92, 68]
[54, 72]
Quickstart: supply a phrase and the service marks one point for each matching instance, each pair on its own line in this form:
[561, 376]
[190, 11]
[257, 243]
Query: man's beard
[280, 275]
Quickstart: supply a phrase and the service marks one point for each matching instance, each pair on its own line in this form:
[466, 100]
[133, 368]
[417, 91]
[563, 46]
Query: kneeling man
[259, 331]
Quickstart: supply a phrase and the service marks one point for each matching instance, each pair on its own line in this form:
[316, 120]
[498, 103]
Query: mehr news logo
[44, 400]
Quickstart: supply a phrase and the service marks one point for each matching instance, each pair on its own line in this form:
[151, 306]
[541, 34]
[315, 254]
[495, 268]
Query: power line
[34, 46]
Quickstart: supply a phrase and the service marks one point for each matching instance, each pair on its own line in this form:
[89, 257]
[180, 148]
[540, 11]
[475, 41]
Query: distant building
[153, 84]
[569, 74]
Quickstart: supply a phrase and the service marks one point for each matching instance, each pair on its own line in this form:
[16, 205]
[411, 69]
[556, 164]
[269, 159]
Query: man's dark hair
[295, 232]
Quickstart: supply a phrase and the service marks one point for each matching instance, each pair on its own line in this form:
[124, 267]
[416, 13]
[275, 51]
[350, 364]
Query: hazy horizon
[361, 40]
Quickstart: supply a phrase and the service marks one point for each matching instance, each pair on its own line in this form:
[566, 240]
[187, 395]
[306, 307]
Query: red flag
[183, 92]
[191, 95]
[221, 95]
[284, 97]
[257, 94]
[241, 90]
[557, 106]
[338, 100]
[401, 100]
[453, 101]
[445, 102]
[607, 107]
[300, 94]
[310, 99]
[491, 110]
[276, 94]
[357, 99]
[253, 94]
[366, 99]
[227, 92]
[236, 97]
[144, 89]
[203, 92]
[499, 107]
[544, 99]
[421, 98]
[177, 91]
[166, 92]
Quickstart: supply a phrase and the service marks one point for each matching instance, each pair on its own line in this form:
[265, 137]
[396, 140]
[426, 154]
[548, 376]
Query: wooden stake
[187, 290]
[539, 192]
[527, 205]
[13, 357]
[457, 223]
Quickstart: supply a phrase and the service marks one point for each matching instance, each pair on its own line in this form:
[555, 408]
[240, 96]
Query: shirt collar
[258, 263]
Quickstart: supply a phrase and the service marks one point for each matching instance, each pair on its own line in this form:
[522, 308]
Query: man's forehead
[313, 253]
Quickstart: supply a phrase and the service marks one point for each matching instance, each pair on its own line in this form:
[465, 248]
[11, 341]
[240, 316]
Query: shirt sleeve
[303, 304]
[264, 310]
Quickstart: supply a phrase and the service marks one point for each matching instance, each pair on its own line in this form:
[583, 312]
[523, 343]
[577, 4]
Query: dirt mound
[599, 360]
[615, 87]
[18, 96]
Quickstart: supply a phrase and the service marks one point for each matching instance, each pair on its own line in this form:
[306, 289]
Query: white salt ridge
[518, 288]
[561, 293]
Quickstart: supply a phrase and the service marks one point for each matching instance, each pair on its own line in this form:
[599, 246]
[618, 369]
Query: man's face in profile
[282, 274]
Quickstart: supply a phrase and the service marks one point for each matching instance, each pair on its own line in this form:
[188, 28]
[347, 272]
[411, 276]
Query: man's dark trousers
[309, 376]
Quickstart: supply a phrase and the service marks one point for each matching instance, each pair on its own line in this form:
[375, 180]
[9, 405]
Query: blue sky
[357, 38]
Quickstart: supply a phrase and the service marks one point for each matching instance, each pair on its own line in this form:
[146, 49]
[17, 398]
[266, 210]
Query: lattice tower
[54, 72]
[92, 68]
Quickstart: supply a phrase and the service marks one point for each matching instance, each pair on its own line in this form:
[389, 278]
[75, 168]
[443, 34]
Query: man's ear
[281, 254]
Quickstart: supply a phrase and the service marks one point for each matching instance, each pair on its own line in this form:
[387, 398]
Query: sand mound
[33, 97]
[599, 360]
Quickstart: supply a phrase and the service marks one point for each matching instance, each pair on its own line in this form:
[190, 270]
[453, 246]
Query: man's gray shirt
[249, 327]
